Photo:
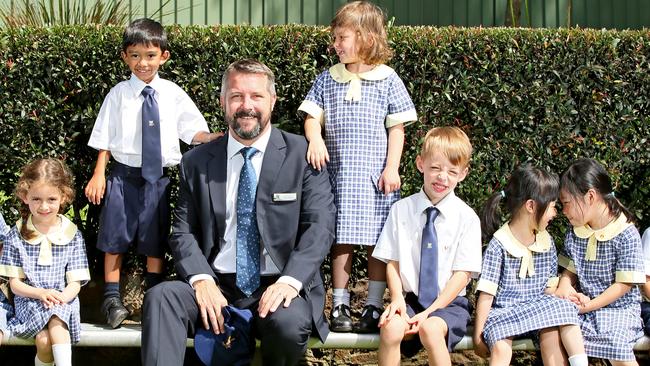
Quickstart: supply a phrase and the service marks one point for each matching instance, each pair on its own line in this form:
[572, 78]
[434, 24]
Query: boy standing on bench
[139, 125]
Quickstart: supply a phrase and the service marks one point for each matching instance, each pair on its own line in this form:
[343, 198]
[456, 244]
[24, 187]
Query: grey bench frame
[93, 335]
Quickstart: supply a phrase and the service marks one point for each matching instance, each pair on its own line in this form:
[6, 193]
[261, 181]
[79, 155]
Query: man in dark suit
[290, 227]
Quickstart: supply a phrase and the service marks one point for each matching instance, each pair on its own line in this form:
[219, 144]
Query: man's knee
[287, 325]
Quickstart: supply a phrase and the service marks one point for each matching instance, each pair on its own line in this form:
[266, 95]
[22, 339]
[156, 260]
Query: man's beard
[237, 128]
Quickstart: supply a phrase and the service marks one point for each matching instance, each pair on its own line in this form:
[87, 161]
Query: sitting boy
[139, 125]
[432, 245]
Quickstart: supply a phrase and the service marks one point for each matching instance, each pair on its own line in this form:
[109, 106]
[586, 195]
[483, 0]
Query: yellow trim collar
[341, 75]
[542, 244]
[609, 232]
[62, 236]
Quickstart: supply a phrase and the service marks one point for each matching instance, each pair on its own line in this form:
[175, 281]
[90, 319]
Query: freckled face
[440, 175]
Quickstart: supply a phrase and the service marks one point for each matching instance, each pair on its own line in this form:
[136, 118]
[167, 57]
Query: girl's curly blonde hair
[50, 171]
[368, 21]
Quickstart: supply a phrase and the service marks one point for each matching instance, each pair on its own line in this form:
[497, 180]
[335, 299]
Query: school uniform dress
[46, 261]
[645, 304]
[130, 213]
[356, 110]
[459, 249]
[517, 276]
[6, 309]
[599, 258]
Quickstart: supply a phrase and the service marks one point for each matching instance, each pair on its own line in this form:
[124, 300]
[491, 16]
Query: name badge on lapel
[284, 197]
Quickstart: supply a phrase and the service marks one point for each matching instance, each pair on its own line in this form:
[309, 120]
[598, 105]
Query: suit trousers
[171, 314]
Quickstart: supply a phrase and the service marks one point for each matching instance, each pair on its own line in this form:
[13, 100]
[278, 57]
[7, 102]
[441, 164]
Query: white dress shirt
[459, 239]
[226, 259]
[118, 127]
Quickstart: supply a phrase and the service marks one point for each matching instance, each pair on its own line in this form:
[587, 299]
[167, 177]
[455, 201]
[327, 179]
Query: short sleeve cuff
[78, 275]
[291, 282]
[567, 263]
[630, 277]
[11, 271]
[553, 282]
[488, 287]
[406, 118]
[313, 110]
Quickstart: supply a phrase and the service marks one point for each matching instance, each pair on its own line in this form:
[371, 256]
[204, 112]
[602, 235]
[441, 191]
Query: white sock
[38, 362]
[376, 291]
[62, 354]
[340, 296]
[579, 360]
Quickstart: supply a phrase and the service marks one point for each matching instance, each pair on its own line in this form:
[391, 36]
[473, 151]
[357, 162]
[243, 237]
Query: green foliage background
[545, 96]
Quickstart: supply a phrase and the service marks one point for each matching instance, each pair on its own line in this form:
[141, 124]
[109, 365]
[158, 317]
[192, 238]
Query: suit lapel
[271, 165]
[217, 178]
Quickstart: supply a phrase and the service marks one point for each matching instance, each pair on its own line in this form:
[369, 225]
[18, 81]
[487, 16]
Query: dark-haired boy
[139, 125]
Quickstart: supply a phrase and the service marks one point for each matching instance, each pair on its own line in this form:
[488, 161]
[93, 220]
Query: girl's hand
[317, 154]
[416, 321]
[582, 301]
[389, 181]
[565, 292]
[50, 297]
[480, 348]
[95, 189]
[398, 307]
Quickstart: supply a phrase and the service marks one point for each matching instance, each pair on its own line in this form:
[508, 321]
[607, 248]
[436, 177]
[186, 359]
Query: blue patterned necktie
[428, 284]
[152, 168]
[248, 237]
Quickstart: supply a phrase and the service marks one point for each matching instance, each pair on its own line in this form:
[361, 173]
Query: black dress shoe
[114, 311]
[342, 322]
[369, 321]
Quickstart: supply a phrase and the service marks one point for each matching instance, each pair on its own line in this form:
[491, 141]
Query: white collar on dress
[62, 236]
[341, 75]
[610, 231]
[516, 249]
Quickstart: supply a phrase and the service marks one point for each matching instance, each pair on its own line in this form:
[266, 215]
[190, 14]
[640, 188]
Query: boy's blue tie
[152, 168]
[428, 284]
[248, 237]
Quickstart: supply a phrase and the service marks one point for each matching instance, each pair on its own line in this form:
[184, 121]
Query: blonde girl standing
[44, 258]
[519, 275]
[603, 263]
[355, 115]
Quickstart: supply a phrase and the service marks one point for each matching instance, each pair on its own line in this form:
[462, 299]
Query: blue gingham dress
[356, 140]
[609, 332]
[31, 316]
[520, 305]
[6, 309]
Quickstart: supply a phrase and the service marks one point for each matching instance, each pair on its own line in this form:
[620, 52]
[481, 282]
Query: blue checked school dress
[599, 258]
[6, 309]
[517, 276]
[45, 261]
[356, 110]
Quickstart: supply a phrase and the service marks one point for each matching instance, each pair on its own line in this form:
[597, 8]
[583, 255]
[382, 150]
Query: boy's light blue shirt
[118, 127]
[459, 239]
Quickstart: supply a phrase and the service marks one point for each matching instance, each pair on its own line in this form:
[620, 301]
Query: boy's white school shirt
[118, 127]
[459, 239]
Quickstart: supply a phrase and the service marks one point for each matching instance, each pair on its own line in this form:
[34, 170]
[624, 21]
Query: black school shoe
[114, 311]
[369, 321]
[343, 322]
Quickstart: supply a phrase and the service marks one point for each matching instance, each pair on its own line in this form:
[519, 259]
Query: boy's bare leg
[433, 335]
[112, 306]
[390, 337]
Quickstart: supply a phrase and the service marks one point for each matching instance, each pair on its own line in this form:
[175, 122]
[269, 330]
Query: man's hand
[274, 295]
[210, 301]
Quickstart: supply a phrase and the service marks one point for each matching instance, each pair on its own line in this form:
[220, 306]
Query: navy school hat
[235, 346]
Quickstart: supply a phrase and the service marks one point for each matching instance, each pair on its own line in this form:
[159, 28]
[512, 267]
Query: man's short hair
[248, 66]
[144, 31]
[452, 142]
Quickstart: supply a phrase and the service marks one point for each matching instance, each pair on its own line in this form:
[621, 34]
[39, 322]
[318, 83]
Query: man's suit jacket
[297, 234]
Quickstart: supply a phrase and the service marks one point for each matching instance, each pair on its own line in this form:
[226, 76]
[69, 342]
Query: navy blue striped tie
[152, 168]
[428, 284]
[248, 236]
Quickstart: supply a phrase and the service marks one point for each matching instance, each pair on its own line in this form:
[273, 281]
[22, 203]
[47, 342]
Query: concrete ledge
[93, 335]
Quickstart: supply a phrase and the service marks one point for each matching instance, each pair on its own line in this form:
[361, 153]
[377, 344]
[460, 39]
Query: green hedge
[546, 96]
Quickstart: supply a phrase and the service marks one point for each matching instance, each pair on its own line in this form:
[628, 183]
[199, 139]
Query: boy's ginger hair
[368, 20]
[451, 141]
